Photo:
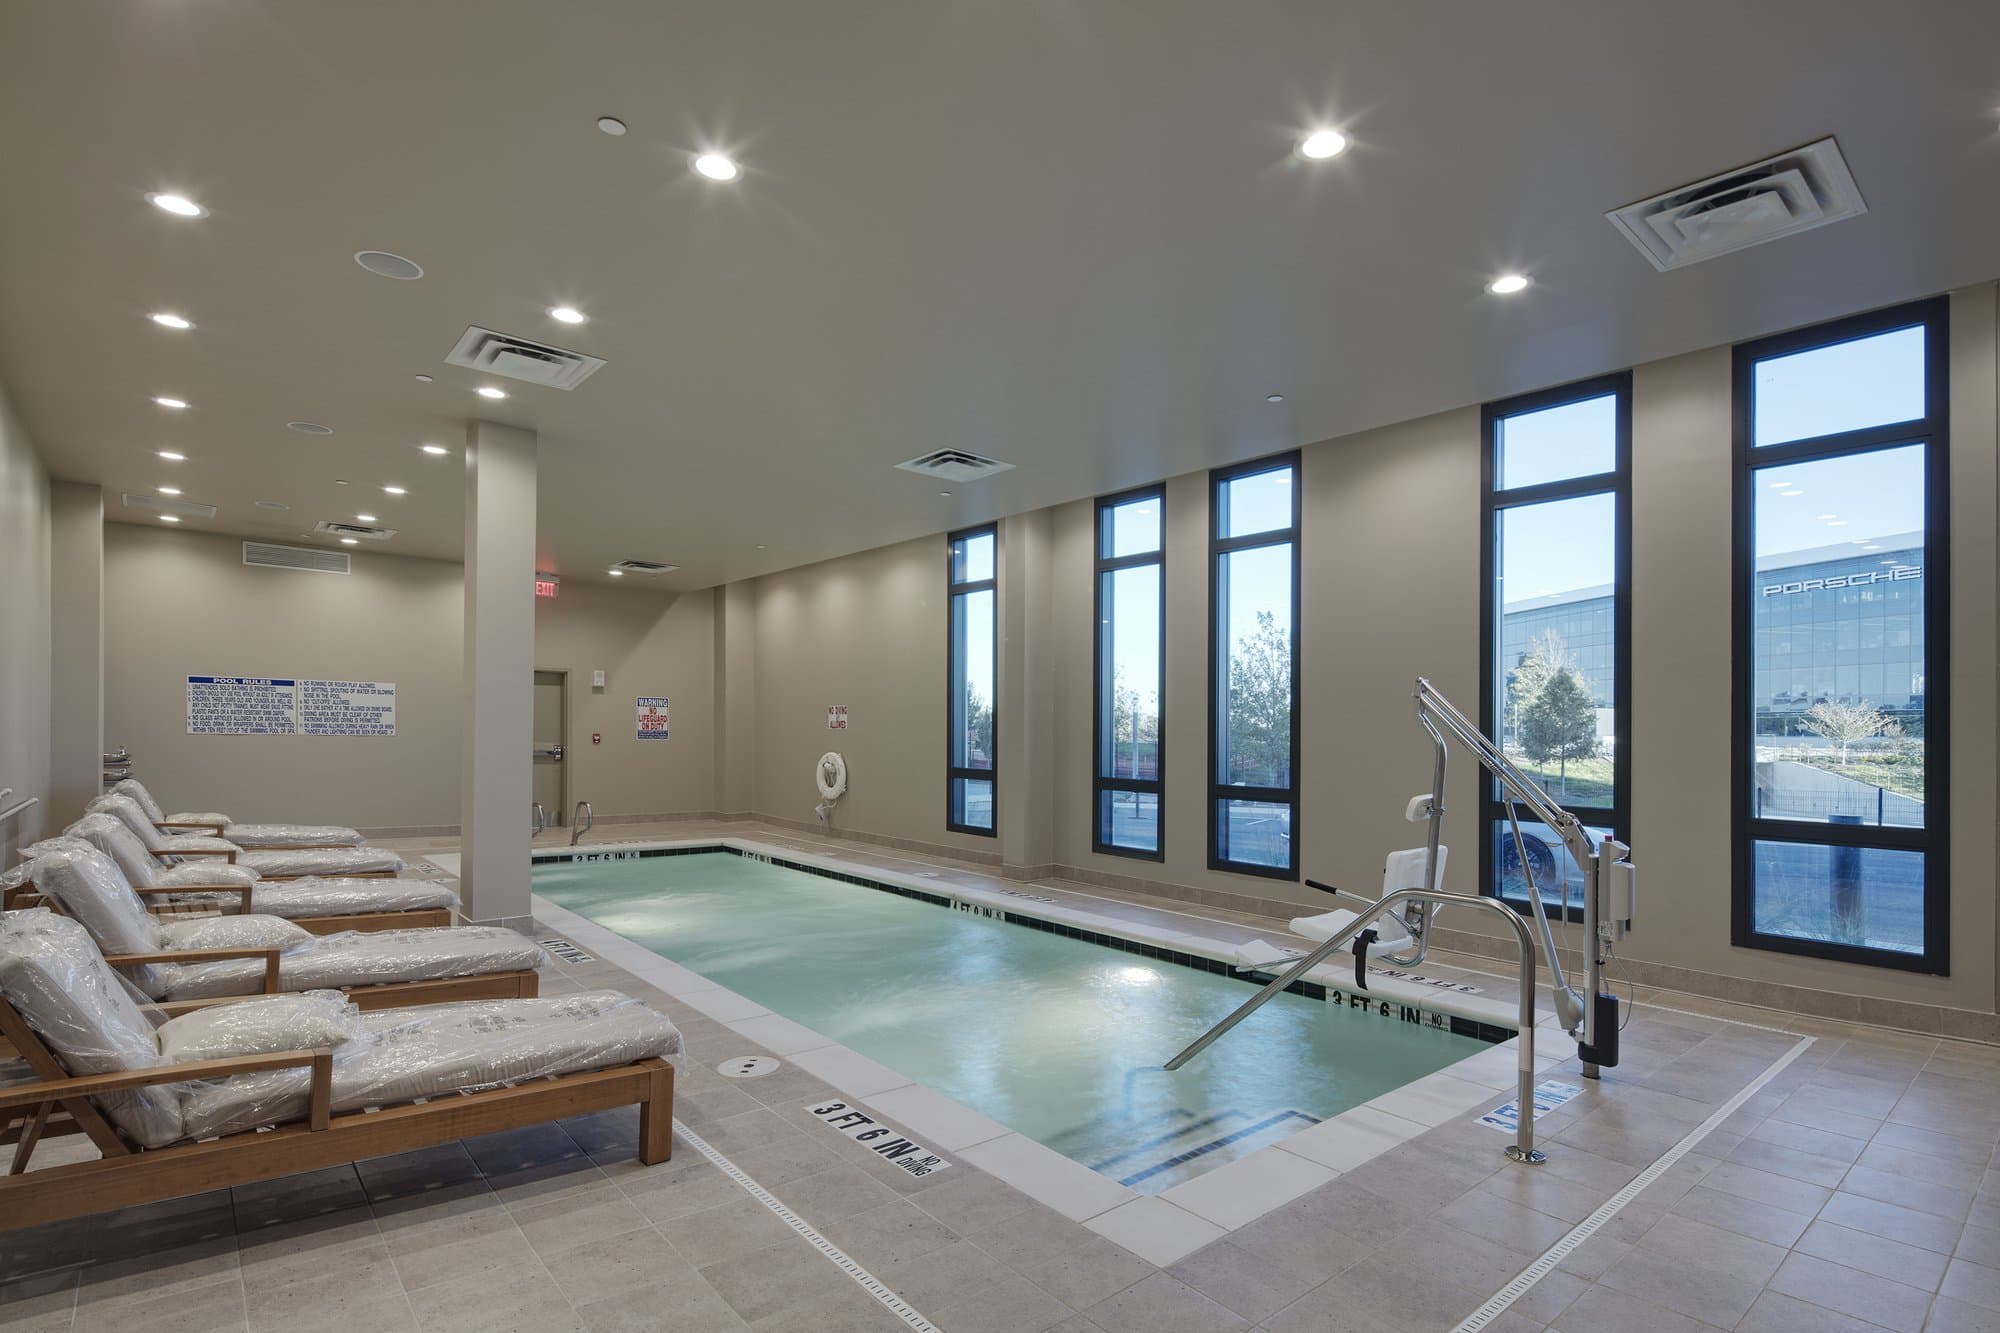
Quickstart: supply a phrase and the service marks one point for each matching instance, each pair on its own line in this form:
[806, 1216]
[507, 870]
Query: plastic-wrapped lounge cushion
[52, 973]
[89, 887]
[127, 811]
[206, 874]
[305, 1022]
[291, 835]
[323, 861]
[405, 1054]
[110, 835]
[136, 789]
[61, 842]
[354, 959]
[248, 931]
[317, 895]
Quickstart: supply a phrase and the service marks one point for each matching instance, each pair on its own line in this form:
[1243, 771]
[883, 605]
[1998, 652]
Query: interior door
[551, 785]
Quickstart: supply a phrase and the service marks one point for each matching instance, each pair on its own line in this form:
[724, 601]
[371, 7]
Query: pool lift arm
[1609, 880]
[1607, 873]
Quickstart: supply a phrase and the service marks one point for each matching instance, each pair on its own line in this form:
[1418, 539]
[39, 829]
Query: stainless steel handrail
[1523, 1149]
[15, 809]
[585, 819]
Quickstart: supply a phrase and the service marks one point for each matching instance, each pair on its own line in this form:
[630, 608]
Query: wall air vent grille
[955, 465]
[364, 532]
[519, 359]
[163, 504]
[1780, 196]
[305, 559]
[644, 567]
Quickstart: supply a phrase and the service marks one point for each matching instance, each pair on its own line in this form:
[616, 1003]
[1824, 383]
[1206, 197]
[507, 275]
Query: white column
[76, 648]
[1025, 718]
[498, 710]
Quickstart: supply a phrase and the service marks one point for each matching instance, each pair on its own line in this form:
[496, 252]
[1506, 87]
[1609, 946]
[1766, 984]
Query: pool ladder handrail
[541, 820]
[583, 821]
[1523, 1149]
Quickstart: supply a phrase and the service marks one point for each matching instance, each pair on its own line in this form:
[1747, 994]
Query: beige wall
[1390, 591]
[24, 628]
[183, 603]
[646, 643]
[867, 631]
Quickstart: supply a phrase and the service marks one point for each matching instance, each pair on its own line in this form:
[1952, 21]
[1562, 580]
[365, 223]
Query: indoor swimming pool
[1056, 1037]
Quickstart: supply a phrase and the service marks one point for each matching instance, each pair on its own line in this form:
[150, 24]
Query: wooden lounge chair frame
[58, 1104]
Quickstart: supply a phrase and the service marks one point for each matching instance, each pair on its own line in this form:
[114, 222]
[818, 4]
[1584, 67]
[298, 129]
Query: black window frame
[1494, 500]
[1100, 783]
[1933, 431]
[1218, 547]
[954, 589]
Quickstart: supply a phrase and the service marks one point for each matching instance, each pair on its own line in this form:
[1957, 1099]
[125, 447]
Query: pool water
[1056, 1038]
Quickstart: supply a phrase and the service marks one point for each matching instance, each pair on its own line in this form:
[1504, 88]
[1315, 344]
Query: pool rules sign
[652, 718]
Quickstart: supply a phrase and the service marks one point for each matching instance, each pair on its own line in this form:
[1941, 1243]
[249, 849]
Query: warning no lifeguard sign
[652, 719]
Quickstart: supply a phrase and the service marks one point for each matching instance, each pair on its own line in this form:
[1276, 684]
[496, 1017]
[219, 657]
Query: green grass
[1588, 783]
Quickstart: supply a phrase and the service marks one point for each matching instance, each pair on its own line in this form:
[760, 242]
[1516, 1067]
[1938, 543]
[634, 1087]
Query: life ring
[831, 776]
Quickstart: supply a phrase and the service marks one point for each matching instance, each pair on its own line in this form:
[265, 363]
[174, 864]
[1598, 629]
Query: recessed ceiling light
[308, 428]
[944, 492]
[350, 541]
[394, 490]
[425, 379]
[170, 490]
[436, 450]
[178, 204]
[271, 504]
[1507, 284]
[616, 573]
[611, 125]
[1274, 398]
[760, 548]
[385, 265]
[490, 391]
[717, 166]
[171, 456]
[170, 518]
[342, 481]
[1322, 144]
[364, 518]
[173, 404]
[567, 314]
[168, 320]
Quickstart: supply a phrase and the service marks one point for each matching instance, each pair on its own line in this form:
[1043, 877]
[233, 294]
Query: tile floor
[1853, 1192]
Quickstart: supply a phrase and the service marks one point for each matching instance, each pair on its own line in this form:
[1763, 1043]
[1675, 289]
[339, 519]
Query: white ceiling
[1068, 233]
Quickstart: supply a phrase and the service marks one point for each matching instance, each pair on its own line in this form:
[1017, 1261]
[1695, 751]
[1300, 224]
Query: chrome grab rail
[1523, 1150]
[584, 821]
[121, 755]
[16, 808]
[541, 820]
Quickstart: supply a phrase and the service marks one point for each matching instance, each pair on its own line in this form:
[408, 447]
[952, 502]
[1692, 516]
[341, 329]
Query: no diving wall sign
[271, 706]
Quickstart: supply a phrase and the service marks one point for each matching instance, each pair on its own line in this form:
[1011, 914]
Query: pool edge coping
[1203, 1209]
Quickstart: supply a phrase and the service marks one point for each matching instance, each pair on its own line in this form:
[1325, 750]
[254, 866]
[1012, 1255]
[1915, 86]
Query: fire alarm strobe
[597, 738]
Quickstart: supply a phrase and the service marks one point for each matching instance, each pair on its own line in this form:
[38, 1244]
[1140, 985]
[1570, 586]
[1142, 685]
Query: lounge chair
[243, 835]
[269, 864]
[167, 1128]
[322, 904]
[191, 958]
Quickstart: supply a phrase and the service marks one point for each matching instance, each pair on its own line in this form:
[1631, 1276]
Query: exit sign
[545, 584]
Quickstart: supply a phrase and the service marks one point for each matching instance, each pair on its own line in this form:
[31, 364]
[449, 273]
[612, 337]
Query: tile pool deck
[1852, 1191]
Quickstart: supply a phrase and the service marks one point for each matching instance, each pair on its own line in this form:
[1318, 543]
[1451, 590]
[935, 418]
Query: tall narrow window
[1254, 672]
[969, 759]
[1841, 620]
[1556, 622]
[1131, 671]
